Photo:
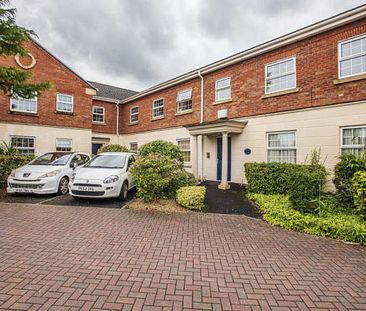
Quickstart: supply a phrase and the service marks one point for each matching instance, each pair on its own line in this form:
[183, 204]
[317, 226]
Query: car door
[76, 160]
[131, 160]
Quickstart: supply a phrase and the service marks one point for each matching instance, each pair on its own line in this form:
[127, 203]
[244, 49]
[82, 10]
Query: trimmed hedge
[192, 197]
[9, 163]
[277, 210]
[359, 192]
[112, 148]
[164, 148]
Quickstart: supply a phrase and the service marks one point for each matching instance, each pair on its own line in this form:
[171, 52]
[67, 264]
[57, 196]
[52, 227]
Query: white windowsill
[184, 112]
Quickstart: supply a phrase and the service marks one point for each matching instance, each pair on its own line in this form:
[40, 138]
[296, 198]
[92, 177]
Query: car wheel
[124, 192]
[63, 186]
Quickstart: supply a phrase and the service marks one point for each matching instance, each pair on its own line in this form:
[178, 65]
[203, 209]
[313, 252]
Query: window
[133, 147]
[281, 147]
[352, 57]
[98, 114]
[184, 100]
[65, 103]
[20, 104]
[223, 89]
[280, 76]
[185, 146]
[158, 108]
[63, 144]
[134, 115]
[353, 139]
[23, 144]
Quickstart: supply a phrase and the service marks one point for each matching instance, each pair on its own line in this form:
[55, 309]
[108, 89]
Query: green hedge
[192, 197]
[9, 163]
[164, 148]
[112, 148]
[359, 192]
[277, 210]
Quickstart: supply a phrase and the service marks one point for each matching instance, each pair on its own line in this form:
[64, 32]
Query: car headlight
[50, 174]
[110, 179]
[12, 174]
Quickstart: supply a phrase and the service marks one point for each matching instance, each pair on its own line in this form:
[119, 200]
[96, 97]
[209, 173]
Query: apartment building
[277, 101]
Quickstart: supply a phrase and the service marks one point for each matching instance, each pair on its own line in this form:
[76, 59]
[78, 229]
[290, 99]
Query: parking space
[66, 200]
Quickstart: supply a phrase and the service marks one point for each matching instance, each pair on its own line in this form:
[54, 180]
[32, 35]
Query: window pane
[354, 136]
[184, 95]
[23, 145]
[223, 83]
[184, 105]
[223, 94]
[355, 62]
[184, 146]
[282, 156]
[281, 68]
[280, 83]
[279, 140]
[24, 105]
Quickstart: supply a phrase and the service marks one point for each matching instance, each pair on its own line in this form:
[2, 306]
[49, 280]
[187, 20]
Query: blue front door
[219, 158]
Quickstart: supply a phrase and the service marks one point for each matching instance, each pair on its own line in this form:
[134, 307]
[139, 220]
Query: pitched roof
[111, 92]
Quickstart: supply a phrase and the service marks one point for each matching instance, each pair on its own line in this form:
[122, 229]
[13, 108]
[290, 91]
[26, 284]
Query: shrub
[164, 148]
[192, 197]
[348, 165]
[306, 184]
[277, 210]
[179, 180]
[112, 148]
[9, 163]
[359, 192]
[155, 176]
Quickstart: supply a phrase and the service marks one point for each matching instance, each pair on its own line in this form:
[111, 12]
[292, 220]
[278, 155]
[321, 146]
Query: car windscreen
[52, 158]
[107, 161]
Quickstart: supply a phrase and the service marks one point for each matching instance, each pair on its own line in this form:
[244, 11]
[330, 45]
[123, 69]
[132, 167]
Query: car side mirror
[73, 165]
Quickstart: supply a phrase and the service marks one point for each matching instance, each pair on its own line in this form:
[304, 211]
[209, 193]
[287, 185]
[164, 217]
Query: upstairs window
[134, 147]
[134, 115]
[353, 139]
[63, 144]
[23, 144]
[65, 103]
[98, 114]
[281, 147]
[20, 104]
[223, 89]
[352, 57]
[184, 101]
[185, 146]
[158, 108]
[280, 76]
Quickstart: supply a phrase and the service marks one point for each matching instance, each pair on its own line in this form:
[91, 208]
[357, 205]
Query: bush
[192, 197]
[164, 148]
[179, 180]
[157, 177]
[277, 210]
[9, 163]
[348, 165]
[359, 192]
[112, 148]
[306, 184]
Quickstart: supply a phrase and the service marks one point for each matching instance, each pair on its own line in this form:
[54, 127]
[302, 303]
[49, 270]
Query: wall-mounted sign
[247, 151]
[25, 66]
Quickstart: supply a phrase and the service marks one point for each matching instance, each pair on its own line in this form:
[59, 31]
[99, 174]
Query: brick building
[277, 101]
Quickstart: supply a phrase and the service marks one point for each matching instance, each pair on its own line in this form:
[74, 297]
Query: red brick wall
[63, 80]
[110, 118]
[317, 68]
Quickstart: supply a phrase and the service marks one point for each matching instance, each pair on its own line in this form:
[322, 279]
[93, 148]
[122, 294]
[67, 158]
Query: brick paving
[79, 258]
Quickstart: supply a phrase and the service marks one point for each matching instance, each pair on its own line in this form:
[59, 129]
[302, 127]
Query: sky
[136, 44]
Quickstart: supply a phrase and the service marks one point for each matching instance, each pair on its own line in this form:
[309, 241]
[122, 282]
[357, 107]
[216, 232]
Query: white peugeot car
[49, 173]
[104, 176]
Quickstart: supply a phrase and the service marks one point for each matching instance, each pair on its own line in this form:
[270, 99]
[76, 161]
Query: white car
[104, 176]
[49, 173]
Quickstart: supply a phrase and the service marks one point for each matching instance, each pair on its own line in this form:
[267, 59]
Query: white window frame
[58, 139]
[24, 148]
[136, 113]
[281, 148]
[340, 59]
[185, 150]
[156, 108]
[281, 75]
[103, 114]
[23, 111]
[218, 89]
[345, 147]
[134, 143]
[183, 101]
[59, 101]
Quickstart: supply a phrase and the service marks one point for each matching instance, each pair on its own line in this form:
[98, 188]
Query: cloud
[136, 44]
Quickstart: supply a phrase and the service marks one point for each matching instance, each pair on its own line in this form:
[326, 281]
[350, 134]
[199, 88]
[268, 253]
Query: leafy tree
[12, 40]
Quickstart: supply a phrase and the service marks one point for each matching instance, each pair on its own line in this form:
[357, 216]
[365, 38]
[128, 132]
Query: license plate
[22, 190]
[85, 188]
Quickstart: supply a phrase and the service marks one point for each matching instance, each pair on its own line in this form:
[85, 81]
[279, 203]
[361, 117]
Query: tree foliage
[12, 40]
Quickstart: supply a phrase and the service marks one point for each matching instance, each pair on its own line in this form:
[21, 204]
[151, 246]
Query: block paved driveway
[71, 258]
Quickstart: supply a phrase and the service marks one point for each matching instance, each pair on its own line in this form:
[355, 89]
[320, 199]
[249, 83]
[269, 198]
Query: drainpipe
[199, 74]
[117, 126]
[200, 137]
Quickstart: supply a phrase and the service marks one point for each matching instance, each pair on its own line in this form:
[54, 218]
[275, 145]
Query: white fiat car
[104, 176]
[49, 173]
